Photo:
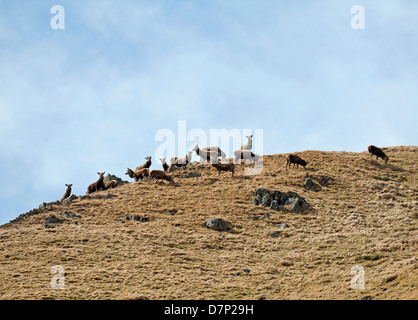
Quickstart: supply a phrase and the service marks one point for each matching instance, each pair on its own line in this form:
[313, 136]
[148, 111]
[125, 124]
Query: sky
[93, 96]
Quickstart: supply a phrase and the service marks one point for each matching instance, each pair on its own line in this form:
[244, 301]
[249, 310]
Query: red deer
[208, 154]
[145, 165]
[165, 165]
[249, 144]
[224, 167]
[180, 162]
[296, 160]
[244, 155]
[214, 150]
[160, 175]
[138, 174]
[375, 151]
[67, 192]
[98, 185]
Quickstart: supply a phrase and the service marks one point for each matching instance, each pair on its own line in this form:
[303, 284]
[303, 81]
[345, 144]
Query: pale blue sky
[92, 97]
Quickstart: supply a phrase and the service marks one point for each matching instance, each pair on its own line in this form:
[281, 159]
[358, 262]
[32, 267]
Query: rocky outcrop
[111, 177]
[218, 225]
[280, 201]
[309, 184]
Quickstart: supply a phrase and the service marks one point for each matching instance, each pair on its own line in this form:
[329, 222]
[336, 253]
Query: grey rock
[292, 194]
[278, 201]
[192, 174]
[110, 177]
[298, 205]
[218, 224]
[324, 181]
[171, 212]
[282, 225]
[265, 201]
[274, 234]
[309, 184]
[260, 194]
[70, 214]
[45, 207]
[275, 205]
[283, 198]
[137, 218]
[277, 195]
[28, 214]
[52, 221]
[69, 199]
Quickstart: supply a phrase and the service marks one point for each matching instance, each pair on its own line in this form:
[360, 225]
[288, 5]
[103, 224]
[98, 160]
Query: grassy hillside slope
[365, 216]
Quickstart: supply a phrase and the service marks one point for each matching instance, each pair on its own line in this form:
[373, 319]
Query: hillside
[365, 214]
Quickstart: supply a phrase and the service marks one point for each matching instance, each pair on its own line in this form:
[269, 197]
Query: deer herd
[208, 154]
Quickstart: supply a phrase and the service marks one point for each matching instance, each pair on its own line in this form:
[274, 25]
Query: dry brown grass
[367, 216]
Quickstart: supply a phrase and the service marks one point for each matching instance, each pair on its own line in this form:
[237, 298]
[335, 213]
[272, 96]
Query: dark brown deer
[296, 160]
[375, 151]
[160, 175]
[98, 185]
[145, 165]
[224, 167]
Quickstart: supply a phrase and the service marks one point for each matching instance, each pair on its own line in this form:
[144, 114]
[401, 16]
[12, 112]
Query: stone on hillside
[70, 214]
[279, 201]
[274, 234]
[69, 199]
[325, 180]
[218, 224]
[309, 184]
[282, 198]
[292, 194]
[261, 193]
[298, 205]
[265, 201]
[276, 195]
[45, 207]
[172, 212]
[192, 174]
[275, 205]
[111, 177]
[282, 225]
[137, 218]
[52, 221]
